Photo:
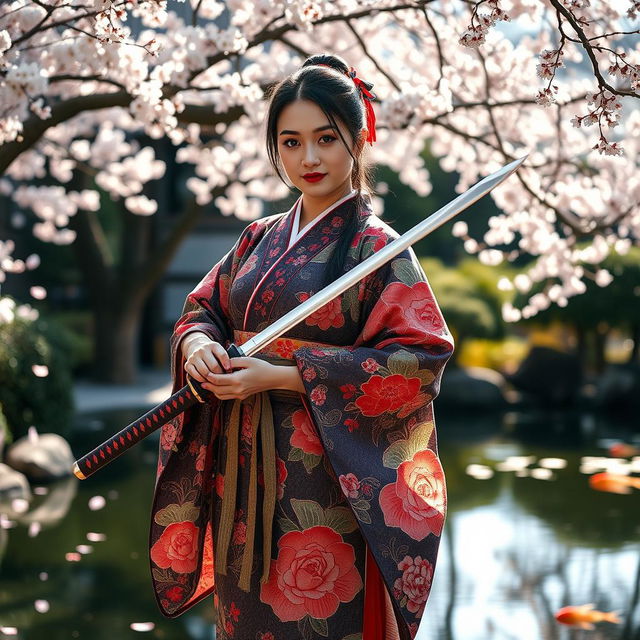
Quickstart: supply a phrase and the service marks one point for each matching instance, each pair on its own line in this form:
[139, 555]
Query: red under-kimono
[314, 515]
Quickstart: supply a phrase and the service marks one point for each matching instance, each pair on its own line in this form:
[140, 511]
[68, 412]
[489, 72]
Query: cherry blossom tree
[84, 82]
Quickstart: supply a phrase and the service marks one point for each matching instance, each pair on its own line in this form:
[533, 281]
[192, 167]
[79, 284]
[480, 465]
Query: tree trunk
[116, 326]
[600, 342]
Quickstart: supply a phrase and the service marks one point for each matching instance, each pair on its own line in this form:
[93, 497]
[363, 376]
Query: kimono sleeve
[372, 404]
[206, 308]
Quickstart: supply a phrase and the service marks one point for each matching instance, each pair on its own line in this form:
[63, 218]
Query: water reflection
[514, 549]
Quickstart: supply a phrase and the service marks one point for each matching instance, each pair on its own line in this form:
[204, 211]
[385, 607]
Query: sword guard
[234, 351]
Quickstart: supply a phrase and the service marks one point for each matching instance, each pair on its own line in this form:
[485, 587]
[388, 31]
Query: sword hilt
[189, 395]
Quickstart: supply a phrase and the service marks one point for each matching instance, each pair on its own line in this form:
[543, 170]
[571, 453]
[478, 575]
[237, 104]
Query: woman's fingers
[197, 369]
[221, 355]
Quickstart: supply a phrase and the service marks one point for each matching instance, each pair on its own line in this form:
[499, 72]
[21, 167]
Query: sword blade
[328, 293]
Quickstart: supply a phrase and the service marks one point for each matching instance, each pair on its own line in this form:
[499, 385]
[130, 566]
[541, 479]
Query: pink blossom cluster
[201, 85]
[476, 33]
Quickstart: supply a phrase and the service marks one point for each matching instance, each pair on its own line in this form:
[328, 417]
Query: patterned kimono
[314, 515]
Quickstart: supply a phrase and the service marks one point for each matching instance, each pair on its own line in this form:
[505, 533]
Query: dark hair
[339, 98]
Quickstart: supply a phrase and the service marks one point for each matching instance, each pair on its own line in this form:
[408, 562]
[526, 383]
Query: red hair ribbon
[365, 91]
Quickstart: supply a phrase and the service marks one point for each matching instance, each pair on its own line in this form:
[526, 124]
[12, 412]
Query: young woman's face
[308, 144]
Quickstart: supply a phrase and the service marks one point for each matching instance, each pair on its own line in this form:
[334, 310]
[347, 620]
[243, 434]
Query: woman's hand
[252, 376]
[203, 356]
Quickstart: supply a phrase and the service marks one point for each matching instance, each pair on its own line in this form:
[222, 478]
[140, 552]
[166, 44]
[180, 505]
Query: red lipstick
[314, 177]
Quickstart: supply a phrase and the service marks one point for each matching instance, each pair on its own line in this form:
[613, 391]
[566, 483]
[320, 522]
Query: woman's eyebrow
[295, 133]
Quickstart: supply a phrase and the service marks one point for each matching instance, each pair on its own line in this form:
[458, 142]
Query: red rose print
[177, 548]
[350, 485]
[319, 395]
[282, 473]
[348, 390]
[412, 312]
[285, 348]
[308, 374]
[304, 434]
[415, 582]
[234, 612]
[175, 594]
[314, 572]
[168, 435]
[267, 296]
[417, 501]
[370, 365]
[386, 394]
[328, 316]
[352, 424]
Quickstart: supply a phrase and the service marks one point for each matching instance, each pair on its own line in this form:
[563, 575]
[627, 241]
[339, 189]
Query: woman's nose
[310, 156]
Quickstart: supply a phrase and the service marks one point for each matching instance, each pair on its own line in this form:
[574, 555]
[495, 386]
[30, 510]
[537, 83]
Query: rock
[472, 387]
[53, 507]
[552, 376]
[13, 485]
[46, 458]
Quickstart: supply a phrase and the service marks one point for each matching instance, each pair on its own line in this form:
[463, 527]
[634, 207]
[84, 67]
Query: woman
[307, 494]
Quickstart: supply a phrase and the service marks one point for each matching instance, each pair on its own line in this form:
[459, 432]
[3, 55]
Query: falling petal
[44, 576]
[553, 463]
[34, 529]
[33, 261]
[541, 474]
[40, 370]
[40, 491]
[5, 523]
[42, 606]
[39, 293]
[72, 557]
[479, 471]
[20, 505]
[520, 462]
[96, 503]
[142, 626]
[32, 434]
[96, 537]
[84, 549]
[9, 631]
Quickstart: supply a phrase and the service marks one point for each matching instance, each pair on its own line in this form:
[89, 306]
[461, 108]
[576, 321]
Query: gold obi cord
[262, 421]
[280, 351]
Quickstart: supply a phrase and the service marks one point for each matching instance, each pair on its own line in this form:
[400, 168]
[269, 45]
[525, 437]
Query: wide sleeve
[180, 536]
[372, 404]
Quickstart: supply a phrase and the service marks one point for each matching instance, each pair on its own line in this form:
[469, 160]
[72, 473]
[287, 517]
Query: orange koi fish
[623, 450]
[613, 482]
[584, 615]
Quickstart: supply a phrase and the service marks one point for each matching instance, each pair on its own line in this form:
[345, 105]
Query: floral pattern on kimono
[358, 466]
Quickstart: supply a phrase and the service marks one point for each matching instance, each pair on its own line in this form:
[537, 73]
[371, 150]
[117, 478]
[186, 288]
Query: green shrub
[26, 399]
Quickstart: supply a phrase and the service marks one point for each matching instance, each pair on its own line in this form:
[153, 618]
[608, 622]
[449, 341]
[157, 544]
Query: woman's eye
[286, 142]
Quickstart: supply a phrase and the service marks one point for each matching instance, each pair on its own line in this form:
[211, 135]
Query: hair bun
[329, 60]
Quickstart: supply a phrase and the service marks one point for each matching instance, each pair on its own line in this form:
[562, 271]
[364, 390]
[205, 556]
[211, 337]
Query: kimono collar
[297, 207]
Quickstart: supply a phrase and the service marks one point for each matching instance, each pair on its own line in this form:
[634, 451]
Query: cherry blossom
[479, 83]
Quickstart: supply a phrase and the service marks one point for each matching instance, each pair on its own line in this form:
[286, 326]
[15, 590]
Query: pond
[514, 550]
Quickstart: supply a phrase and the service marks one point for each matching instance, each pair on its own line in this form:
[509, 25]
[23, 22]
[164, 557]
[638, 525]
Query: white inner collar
[296, 232]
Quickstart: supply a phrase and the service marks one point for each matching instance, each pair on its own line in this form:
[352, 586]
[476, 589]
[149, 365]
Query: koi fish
[584, 615]
[623, 450]
[613, 482]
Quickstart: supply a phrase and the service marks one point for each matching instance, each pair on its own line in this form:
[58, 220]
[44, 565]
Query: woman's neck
[310, 209]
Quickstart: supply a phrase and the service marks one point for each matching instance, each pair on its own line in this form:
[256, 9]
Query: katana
[193, 392]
